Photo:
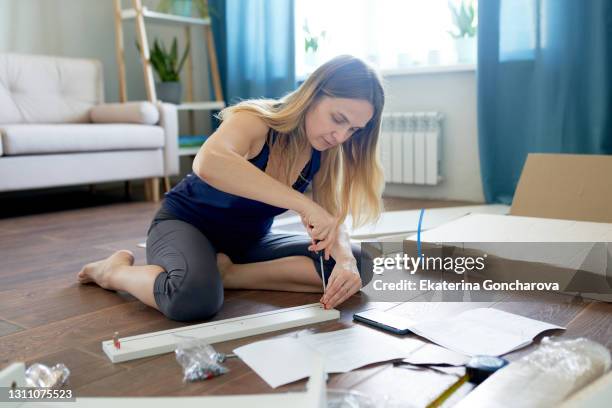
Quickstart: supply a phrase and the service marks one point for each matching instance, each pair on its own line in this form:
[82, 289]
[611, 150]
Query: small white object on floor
[282, 360]
[142, 245]
[482, 331]
[13, 374]
[150, 344]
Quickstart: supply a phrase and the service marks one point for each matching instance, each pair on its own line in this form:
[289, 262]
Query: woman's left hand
[343, 283]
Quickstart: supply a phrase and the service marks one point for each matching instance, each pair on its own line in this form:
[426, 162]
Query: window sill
[424, 70]
[431, 69]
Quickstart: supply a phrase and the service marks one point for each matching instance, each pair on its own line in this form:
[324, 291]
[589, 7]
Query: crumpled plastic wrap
[200, 361]
[41, 376]
[543, 378]
[579, 360]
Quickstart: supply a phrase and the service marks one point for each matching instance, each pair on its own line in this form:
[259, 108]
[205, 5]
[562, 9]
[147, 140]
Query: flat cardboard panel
[501, 228]
[565, 186]
[584, 246]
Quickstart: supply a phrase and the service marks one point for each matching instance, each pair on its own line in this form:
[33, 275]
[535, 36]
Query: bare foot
[99, 272]
[224, 263]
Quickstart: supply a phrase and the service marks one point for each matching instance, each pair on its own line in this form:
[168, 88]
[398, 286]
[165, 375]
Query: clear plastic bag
[40, 376]
[544, 377]
[576, 362]
[200, 361]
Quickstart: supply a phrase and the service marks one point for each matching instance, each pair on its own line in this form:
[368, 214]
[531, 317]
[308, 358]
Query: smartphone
[385, 321]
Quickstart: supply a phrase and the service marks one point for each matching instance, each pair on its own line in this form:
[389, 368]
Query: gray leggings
[190, 288]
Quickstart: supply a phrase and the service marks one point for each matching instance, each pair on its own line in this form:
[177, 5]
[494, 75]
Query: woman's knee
[190, 288]
[198, 294]
[192, 306]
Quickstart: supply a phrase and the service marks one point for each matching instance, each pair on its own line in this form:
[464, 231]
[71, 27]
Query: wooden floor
[46, 317]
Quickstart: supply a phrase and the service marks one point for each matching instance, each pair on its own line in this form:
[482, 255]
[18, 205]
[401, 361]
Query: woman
[213, 230]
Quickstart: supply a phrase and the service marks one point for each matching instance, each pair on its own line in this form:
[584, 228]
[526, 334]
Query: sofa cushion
[143, 113]
[42, 89]
[70, 138]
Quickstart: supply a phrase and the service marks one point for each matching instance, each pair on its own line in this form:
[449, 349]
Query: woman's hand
[343, 283]
[321, 226]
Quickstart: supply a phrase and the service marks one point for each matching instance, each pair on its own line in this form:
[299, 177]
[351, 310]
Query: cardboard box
[560, 227]
[566, 187]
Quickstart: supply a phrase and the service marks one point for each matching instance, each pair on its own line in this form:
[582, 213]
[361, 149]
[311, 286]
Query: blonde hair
[350, 179]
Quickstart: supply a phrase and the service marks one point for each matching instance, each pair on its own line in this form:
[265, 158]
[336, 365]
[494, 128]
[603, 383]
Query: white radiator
[410, 147]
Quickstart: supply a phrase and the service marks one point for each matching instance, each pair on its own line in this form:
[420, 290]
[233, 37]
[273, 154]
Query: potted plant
[465, 29]
[168, 68]
[311, 44]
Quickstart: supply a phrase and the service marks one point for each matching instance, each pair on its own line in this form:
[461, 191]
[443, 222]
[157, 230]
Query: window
[519, 28]
[390, 34]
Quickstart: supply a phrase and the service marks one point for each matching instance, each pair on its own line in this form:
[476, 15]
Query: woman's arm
[344, 280]
[222, 163]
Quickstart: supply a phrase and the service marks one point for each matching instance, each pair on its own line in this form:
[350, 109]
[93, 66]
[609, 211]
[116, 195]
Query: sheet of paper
[432, 354]
[279, 360]
[484, 331]
[346, 350]
[283, 360]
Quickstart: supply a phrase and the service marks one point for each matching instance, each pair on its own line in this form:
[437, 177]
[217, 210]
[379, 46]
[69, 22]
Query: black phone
[385, 321]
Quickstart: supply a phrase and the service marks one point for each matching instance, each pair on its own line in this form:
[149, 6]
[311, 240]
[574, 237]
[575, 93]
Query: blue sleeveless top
[223, 215]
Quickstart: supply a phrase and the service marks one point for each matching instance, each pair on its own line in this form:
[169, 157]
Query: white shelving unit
[128, 14]
[140, 14]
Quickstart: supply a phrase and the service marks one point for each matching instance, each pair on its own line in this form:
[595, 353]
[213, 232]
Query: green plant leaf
[463, 16]
[174, 52]
[163, 50]
[453, 34]
[157, 49]
[180, 66]
[454, 13]
[465, 19]
[311, 43]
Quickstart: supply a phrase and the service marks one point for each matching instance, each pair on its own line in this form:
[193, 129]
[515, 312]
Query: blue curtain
[544, 84]
[255, 43]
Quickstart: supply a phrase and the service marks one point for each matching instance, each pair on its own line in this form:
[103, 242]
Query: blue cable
[419, 233]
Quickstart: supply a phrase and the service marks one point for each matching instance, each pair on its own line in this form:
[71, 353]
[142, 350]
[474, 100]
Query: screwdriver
[322, 271]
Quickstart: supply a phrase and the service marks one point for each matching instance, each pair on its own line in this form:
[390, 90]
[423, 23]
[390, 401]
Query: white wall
[4, 24]
[454, 95]
[85, 29]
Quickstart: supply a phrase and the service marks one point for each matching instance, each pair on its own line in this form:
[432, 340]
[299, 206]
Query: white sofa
[56, 130]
